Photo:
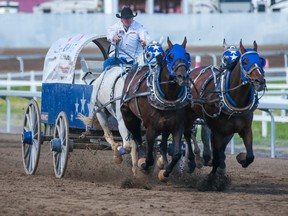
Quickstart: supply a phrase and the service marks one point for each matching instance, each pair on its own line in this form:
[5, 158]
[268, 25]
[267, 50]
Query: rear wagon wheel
[31, 138]
[60, 145]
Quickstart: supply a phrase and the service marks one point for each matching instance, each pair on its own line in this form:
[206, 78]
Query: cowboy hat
[126, 13]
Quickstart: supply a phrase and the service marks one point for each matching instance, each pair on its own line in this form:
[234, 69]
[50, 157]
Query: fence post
[286, 66]
[9, 81]
[8, 116]
[33, 86]
[264, 124]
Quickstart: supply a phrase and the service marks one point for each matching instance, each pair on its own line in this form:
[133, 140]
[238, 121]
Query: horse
[106, 95]
[158, 99]
[230, 54]
[226, 101]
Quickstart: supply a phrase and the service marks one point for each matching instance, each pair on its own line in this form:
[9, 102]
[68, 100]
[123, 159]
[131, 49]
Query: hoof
[241, 157]
[160, 163]
[141, 162]
[117, 159]
[221, 171]
[191, 166]
[161, 176]
[127, 150]
[198, 162]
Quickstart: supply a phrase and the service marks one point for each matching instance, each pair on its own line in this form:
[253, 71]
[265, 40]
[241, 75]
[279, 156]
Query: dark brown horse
[226, 101]
[158, 98]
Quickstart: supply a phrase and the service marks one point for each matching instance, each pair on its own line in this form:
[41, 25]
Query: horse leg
[219, 144]
[150, 139]
[133, 124]
[205, 137]
[103, 120]
[246, 159]
[129, 144]
[164, 174]
[162, 162]
[191, 156]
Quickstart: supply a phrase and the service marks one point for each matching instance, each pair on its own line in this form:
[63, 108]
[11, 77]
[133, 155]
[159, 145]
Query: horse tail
[89, 121]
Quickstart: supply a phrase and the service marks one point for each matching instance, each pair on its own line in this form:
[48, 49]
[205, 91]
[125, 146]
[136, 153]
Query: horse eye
[148, 55]
[170, 57]
[245, 62]
[187, 56]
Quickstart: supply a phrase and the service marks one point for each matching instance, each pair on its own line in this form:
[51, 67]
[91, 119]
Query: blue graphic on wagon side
[70, 98]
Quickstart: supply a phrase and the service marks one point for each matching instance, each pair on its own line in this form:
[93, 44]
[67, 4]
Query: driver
[130, 37]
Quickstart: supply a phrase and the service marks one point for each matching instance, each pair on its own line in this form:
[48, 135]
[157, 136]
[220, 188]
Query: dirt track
[94, 185]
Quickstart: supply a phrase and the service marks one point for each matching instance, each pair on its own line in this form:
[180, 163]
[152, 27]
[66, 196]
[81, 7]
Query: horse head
[153, 53]
[178, 62]
[251, 65]
[229, 57]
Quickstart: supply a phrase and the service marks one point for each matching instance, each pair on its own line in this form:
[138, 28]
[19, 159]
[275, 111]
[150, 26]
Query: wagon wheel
[60, 145]
[31, 138]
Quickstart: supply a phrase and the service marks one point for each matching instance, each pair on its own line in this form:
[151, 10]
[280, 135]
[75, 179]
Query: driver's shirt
[131, 39]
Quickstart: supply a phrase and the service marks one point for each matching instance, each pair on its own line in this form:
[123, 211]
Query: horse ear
[161, 40]
[184, 43]
[255, 45]
[242, 49]
[224, 44]
[170, 45]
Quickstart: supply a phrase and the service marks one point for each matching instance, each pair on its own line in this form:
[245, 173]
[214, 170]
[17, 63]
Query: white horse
[106, 95]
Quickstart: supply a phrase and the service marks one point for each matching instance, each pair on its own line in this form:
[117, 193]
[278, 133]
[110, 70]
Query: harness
[229, 106]
[154, 95]
[223, 101]
[112, 100]
[214, 76]
[157, 97]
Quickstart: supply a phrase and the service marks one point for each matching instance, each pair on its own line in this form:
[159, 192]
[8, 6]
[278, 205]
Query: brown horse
[158, 99]
[226, 101]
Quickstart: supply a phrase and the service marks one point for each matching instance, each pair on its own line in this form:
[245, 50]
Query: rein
[112, 99]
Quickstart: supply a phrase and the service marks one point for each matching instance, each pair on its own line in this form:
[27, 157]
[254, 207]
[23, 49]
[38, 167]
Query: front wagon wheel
[60, 145]
[31, 138]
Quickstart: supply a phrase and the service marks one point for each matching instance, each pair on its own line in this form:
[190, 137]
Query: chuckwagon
[66, 93]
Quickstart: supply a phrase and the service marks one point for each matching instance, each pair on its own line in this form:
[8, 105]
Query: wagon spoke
[25, 128]
[35, 127]
[35, 146]
[58, 164]
[28, 121]
[29, 160]
[26, 152]
[62, 130]
[32, 156]
[58, 131]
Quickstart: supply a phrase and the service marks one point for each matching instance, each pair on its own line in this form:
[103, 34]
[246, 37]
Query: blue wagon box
[73, 99]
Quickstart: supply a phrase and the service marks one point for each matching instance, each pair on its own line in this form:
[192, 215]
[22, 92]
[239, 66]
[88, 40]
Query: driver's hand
[143, 43]
[116, 38]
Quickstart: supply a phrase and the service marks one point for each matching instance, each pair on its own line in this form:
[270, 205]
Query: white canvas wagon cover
[61, 58]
